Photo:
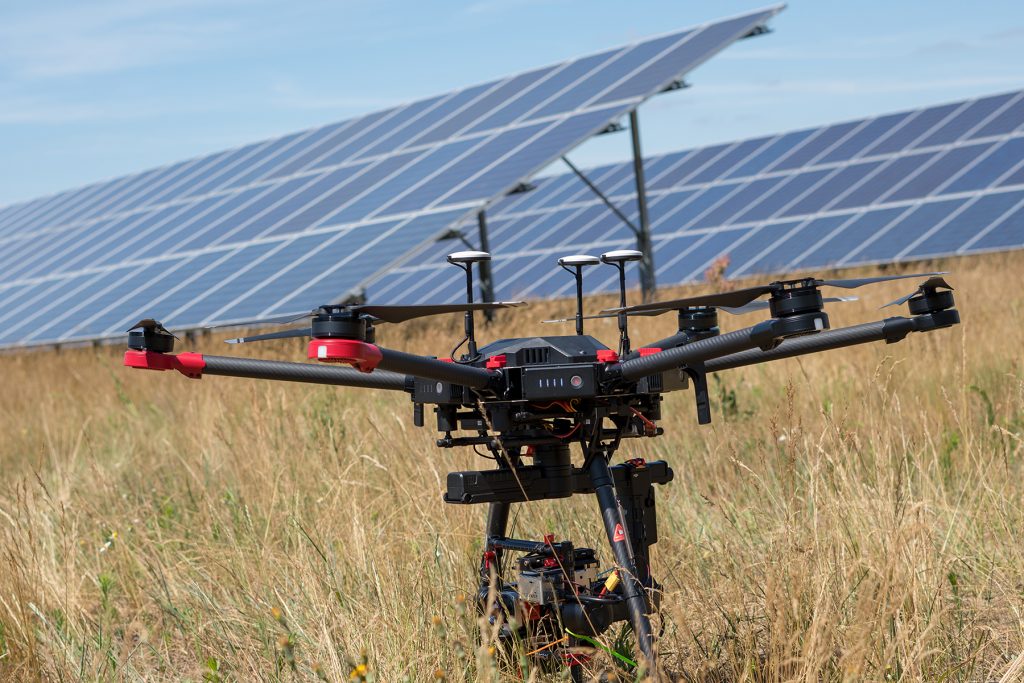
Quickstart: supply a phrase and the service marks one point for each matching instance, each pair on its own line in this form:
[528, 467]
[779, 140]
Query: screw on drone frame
[465, 260]
[577, 262]
[619, 258]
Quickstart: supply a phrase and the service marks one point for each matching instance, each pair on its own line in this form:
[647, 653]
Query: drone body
[527, 401]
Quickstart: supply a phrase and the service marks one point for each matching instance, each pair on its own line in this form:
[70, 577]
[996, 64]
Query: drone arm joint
[763, 335]
[896, 329]
[432, 368]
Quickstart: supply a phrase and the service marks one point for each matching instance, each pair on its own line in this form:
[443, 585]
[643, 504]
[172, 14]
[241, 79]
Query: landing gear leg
[618, 536]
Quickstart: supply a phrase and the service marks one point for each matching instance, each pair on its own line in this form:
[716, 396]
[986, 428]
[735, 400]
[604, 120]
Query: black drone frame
[530, 399]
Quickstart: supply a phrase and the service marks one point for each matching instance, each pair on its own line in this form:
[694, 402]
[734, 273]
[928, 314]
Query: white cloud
[105, 37]
[1012, 34]
[19, 110]
[839, 86]
[500, 6]
[27, 109]
[285, 94]
[742, 53]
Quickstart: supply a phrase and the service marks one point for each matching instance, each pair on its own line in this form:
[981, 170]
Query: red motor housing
[360, 355]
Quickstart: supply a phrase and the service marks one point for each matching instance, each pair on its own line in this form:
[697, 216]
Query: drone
[527, 401]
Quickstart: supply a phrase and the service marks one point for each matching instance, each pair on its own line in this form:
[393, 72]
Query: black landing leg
[618, 536]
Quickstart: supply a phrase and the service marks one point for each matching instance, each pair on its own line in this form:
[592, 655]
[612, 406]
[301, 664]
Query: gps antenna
[577, 262]
[619, 258]
[465, 260]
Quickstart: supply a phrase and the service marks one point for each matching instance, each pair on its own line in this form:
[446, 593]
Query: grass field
[854, 515]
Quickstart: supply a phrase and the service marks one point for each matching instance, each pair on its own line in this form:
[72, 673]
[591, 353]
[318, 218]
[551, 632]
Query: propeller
[741, 297]
[149, 325]
[733, 310]
[284, 334]
[377, 314]
[927, 287]
[764, 305]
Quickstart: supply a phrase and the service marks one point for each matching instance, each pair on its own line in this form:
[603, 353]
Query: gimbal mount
[528, 400]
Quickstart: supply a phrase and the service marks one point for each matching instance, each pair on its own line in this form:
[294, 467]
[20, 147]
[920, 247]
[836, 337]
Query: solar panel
[285, 224]
[939, 181]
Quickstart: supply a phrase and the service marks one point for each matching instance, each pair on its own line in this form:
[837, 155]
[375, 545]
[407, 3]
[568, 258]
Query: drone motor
[150, 335]
[698, 322]
[798, 305]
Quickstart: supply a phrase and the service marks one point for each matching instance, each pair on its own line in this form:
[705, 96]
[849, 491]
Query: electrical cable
[457, 347]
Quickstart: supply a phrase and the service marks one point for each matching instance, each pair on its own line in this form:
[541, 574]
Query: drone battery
[429, 391]
[558, 382]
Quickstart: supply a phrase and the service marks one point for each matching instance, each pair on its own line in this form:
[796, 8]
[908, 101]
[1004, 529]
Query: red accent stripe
[189, 364]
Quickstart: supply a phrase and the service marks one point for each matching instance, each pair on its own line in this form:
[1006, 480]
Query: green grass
[854, 515]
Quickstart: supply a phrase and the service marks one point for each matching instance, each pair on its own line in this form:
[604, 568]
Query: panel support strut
[601, 195]
[643, 235]
[486, 278]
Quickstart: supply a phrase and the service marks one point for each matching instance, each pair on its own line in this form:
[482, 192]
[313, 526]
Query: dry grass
[854, 515]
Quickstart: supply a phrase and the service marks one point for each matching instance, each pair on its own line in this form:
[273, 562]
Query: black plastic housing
[528, 483]
[553, 381]
[698, 323]
[930, 302]
[340, 325]
[146, 339]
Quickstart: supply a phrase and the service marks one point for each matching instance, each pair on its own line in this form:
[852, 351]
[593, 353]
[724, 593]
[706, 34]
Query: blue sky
[90, 90]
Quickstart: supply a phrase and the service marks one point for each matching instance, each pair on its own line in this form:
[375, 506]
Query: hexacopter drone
[526, 401]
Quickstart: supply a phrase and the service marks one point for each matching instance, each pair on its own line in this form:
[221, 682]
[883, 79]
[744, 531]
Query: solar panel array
[931, 182]
[286, 224]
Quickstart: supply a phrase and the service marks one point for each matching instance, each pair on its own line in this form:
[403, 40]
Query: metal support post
[486, 279]
[643, 237]
[497, 527]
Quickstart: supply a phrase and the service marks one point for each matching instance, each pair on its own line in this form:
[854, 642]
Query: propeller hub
[699, 322]
[146, 340]
[337, 322]
[930, 301]
[150, 335]
[804, 297]
[797, 305]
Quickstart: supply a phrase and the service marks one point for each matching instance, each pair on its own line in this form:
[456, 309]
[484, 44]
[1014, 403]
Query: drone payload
[527, 401]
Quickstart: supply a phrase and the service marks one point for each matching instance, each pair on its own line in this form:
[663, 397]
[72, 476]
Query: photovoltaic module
[937, 181]
[282, 225]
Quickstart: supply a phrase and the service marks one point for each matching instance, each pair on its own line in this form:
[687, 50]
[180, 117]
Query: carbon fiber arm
[761, 334]
[303, 372]
[889, 330]
[431, 368]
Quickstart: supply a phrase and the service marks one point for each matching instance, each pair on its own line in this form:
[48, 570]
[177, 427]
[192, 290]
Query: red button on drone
[607, 356]
[497, 362]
